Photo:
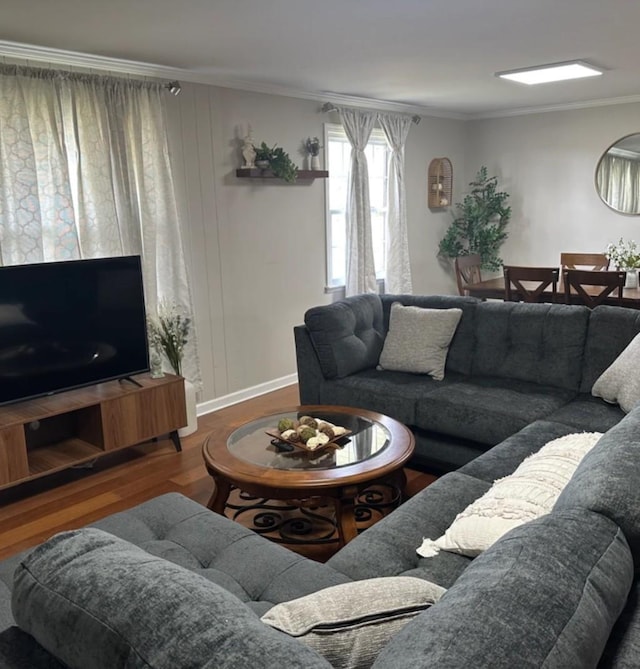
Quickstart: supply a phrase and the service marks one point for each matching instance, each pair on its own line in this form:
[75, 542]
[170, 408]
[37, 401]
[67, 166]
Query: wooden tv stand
[51, 433]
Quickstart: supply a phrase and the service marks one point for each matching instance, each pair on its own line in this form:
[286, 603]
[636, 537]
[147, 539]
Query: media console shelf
[48, 434]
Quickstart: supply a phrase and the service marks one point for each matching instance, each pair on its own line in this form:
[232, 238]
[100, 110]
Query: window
[339, 161]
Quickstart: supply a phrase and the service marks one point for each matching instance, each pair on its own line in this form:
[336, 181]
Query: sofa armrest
[310, 377]
[94, 600]
[545, 595]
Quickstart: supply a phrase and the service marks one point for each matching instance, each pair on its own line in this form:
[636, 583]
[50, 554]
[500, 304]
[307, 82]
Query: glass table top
[252, 444]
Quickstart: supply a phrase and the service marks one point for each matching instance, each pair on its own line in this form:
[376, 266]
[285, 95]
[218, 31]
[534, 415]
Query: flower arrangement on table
[624, 255]
[169, 334]
[313, 146]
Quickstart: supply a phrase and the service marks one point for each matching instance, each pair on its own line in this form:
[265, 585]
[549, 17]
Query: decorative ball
[285, 424]
[328, 430]
[305, 433]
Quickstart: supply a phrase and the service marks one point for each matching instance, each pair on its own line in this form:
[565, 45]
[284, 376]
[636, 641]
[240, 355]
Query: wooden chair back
[467, 270]
[585, 286]
[592, 261]
[538, 281]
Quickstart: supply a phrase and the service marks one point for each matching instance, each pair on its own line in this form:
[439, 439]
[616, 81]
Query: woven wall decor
[440, 183]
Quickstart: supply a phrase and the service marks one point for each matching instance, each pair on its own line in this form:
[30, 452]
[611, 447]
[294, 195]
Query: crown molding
[32, 53]
[565, 106]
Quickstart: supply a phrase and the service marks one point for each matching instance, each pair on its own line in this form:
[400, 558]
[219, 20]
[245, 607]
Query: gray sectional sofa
[173, 585]
[169, 584]
[508, 365]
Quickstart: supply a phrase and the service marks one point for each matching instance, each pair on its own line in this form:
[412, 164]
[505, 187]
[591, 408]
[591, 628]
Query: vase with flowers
[625, 255]
[168, 336]
[313, 146]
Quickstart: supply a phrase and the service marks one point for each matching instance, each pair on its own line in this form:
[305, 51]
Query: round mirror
[618, 175]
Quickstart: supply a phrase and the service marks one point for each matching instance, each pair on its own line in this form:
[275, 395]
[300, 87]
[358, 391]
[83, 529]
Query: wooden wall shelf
[48, 434]
[257, 173]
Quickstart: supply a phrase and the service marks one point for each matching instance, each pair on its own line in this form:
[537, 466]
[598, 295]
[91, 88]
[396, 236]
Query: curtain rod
[329, 107]
[17, 69]
[173, 87]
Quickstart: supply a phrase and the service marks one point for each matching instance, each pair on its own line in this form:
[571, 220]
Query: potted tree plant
[479, 226]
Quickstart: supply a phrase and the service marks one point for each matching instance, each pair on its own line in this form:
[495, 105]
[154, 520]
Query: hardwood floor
[33, 511]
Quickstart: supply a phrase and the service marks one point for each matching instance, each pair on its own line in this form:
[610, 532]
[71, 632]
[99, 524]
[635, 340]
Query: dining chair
[467, 270]
[543, 277]
[581, 286]
[592, 261]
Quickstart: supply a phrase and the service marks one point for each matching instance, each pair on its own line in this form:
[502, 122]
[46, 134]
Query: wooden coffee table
[374, 452]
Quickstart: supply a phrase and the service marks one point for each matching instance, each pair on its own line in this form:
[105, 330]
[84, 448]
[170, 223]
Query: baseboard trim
[246, 394]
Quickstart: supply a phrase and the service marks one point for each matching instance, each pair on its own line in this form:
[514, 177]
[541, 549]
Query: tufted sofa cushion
[487, 409]
[259, 573]
[388, 548]
[503, 459]
[542, 344]
[347, 335]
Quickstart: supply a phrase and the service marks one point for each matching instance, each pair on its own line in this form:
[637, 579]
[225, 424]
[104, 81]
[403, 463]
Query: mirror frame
[595, 178]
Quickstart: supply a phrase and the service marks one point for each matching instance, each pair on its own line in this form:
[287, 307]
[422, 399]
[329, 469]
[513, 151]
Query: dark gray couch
[509, 364]
[185, 587]
[560, 592]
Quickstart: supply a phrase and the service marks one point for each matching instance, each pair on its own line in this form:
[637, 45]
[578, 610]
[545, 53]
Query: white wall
[256, 250]
[433, 138]
[547, 162]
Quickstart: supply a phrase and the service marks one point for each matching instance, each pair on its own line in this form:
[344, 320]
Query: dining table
[495, 289]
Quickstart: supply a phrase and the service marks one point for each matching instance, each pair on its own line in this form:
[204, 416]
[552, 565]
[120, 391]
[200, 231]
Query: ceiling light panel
[543, 74]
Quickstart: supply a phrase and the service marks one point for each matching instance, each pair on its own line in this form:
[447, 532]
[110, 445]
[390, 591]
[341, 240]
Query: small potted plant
[625, 255]
[277, 160]
[263, 156]
[313, 146]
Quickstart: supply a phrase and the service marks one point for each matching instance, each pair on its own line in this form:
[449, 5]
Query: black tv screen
[69, 324]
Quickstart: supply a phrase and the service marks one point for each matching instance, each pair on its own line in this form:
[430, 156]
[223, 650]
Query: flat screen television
[69, 324]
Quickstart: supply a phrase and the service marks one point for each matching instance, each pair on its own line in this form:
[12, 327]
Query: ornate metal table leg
[345, 514]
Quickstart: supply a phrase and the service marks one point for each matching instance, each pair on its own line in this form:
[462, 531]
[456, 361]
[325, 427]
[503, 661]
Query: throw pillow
[350, 623]
[528, 493]
[620, 382]
[418, 339]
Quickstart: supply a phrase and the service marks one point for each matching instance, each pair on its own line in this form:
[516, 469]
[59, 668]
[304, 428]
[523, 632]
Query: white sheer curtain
[85, 173]
[361, 272]
[620, 182]
[398, 277]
